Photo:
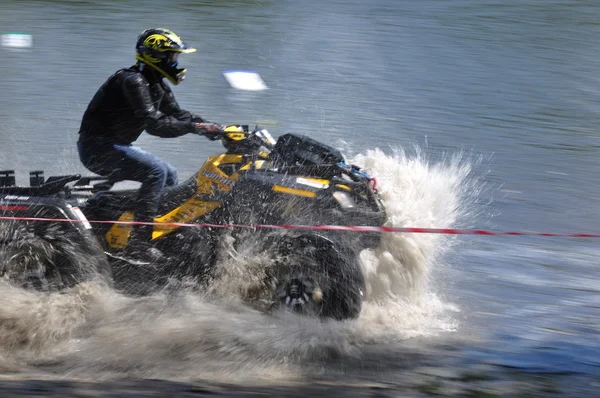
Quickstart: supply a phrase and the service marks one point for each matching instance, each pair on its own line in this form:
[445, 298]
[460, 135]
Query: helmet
[160, 48]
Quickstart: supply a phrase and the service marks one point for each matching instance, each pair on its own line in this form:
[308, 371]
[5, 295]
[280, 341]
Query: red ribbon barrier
[353, 228]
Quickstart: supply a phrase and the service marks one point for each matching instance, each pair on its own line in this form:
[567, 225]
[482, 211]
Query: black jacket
[132, 101]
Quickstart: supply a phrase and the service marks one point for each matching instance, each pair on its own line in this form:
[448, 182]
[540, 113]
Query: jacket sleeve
[170, 106]
[158, 123]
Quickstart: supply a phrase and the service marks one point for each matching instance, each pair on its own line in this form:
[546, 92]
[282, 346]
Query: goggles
[172, 58]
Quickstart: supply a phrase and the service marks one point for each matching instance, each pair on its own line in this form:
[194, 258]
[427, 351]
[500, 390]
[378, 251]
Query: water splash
[400, 301]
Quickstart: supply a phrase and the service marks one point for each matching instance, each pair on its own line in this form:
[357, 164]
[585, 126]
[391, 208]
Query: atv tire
[312, 276]
[50, 256]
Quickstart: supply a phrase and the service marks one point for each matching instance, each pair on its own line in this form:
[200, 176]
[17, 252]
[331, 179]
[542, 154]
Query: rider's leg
[132, 163]
[151, 171]
[171, 175]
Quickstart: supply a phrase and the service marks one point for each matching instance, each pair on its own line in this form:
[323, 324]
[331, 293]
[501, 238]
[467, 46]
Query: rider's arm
[170, 106]
[156, 122]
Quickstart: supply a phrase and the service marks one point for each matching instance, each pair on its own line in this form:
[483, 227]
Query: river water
[472, 114]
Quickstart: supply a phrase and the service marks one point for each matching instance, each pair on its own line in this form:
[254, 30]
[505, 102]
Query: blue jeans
[126, 162]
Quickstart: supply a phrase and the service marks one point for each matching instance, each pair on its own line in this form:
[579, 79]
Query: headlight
[343, 199]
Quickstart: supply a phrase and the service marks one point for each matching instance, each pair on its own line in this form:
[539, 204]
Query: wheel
[310, 274]
[314, 277]
[50, 256]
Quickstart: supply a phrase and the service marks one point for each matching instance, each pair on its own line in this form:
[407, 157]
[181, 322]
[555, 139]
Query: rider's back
[110, 115]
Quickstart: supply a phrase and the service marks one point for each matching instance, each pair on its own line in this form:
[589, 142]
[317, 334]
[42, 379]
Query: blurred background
[471, 113]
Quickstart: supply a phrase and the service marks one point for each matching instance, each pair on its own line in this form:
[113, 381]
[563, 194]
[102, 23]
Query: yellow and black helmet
[160, 48]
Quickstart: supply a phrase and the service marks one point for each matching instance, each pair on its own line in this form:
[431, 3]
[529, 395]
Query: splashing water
[93, 331]
[399, 302]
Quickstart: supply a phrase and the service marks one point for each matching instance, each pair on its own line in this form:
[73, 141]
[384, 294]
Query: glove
[211, 131]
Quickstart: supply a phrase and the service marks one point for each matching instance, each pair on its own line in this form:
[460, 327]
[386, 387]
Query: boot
[140, 247]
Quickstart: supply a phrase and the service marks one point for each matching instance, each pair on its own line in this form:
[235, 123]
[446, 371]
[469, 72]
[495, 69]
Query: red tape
[353, 228]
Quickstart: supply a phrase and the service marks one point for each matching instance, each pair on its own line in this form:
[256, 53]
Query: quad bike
[257, 181]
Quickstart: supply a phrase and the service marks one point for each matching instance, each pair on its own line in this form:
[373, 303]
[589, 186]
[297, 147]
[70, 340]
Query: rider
[133, 100]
